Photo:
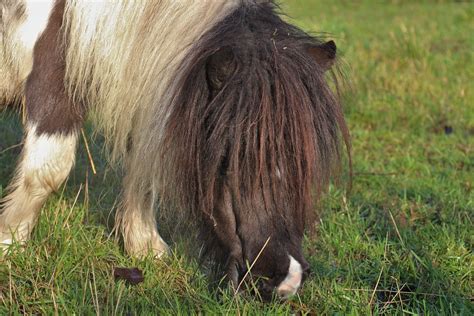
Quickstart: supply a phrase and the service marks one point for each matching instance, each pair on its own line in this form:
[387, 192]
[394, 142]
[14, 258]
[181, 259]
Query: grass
[400, 243]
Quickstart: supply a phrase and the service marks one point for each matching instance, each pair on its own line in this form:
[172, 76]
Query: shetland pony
[219, 109]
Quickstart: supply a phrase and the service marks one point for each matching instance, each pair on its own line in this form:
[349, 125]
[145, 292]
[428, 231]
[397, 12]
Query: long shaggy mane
[254, 112]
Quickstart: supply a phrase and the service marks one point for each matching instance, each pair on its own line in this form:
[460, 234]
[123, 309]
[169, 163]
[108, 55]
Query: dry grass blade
[71, 209]
[394, 292]
[396, 228]
[251, 266]
[375, 289]
[89, 155]
[23, 110]
[11, 147]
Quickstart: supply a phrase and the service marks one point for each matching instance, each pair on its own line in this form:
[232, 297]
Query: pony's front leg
[135, 219]
[45, 163]
[51, 136]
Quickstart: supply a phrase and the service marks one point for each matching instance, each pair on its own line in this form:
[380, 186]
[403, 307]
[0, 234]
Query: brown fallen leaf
[130, 275]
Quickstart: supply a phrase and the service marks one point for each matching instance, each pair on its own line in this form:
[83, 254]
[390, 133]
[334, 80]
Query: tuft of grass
[401, 243]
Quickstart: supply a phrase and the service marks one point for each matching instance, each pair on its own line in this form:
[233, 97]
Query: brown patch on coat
[48, 105]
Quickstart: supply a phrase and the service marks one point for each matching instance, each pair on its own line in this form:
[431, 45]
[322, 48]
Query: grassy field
[402, 241]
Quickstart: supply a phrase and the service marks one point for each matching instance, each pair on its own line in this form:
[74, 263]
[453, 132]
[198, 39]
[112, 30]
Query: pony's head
[255, 138]
[263, 197]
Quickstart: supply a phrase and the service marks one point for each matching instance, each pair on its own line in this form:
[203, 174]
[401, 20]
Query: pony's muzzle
[293, 280]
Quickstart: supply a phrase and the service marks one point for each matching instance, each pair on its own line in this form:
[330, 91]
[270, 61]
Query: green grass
[402, 241]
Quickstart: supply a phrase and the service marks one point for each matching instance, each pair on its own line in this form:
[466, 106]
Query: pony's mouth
[281, 287]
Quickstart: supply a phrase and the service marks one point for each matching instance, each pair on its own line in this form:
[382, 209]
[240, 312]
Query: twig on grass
[394, 297]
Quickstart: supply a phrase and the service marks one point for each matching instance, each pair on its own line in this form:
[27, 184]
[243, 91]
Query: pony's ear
[220, 67]
[324, 54]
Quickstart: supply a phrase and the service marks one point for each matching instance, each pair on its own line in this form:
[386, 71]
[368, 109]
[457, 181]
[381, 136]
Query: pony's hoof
[156, 246]
[160, 248]
[5, 244]
[8, 244]
[6, 240]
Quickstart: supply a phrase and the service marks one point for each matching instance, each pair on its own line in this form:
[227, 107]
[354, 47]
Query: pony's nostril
[266, 290]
